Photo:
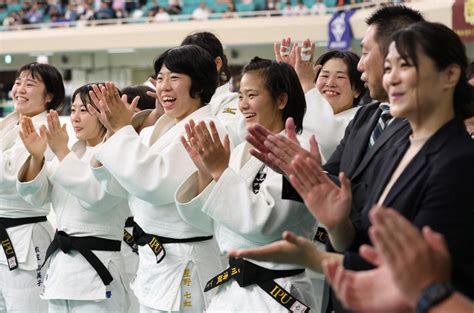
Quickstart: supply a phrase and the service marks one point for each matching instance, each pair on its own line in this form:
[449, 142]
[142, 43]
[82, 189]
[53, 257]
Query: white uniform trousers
[119, 303]
[20, 289]
[192, 300]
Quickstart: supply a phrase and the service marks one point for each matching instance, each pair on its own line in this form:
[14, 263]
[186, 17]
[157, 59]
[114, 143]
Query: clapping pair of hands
[209, 154]
[53, 134]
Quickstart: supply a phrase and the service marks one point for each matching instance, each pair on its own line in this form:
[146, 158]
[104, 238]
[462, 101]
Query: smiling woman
[176, 258]
[236, 196]
[83, 213]
[37, 88]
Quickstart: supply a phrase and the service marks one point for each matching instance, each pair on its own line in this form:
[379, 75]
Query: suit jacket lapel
[380, 181]
[435, 143]
[361, 138]
[388, 133]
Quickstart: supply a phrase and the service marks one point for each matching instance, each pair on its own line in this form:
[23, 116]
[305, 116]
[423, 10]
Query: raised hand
[191, 150]
[115, 111]
[291, 250]
[157, 112]
[365, 291]
[35, 143]
[284, 52]
[414, 267]
[278, 151]
[329, 203]
[304, 65]
[57, 135]
[98, 100]
[214, 154]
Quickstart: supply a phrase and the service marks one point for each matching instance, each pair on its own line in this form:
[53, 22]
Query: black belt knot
[84, 245]
[156, 242]
[64, 242]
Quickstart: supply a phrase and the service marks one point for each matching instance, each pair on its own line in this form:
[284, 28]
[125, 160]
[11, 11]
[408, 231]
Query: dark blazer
[436, 189]
[352, 155]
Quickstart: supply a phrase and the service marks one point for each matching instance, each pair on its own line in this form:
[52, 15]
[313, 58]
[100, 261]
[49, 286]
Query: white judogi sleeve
[189, 204]
[321, 121]
[77, 178]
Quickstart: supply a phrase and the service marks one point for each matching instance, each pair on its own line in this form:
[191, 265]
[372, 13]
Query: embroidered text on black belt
[321, 235]
[247, 273]
[7, 245]
[127, 237]
[156, 242]
[85, 245]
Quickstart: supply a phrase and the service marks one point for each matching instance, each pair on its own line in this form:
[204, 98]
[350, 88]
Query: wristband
[432, 295]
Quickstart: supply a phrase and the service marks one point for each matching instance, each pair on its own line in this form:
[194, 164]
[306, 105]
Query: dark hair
[195, 62]
[351, 60]
[145, 102]
[444, 48]
[83, 94]
[390, 19]
[280, 78]
[209, 42]
[52, 79]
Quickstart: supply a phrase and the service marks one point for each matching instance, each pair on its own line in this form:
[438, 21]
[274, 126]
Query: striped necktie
[383, 121]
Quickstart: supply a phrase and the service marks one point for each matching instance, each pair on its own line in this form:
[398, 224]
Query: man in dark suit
[359, 147]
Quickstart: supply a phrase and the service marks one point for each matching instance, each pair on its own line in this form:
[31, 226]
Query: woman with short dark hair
[239, 198]
[176, 259]
[24, 230]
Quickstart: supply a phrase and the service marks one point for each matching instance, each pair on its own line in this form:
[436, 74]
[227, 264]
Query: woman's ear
[282, 101]
[49, 97]
[452, 75]
[218, 61]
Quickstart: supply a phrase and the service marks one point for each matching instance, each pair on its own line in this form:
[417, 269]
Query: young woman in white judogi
[37, 88]
[240, 199]
[149, 171]
[83, 210]
[224, 102]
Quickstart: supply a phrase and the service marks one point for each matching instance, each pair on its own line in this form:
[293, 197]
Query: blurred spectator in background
[162, 16]
[174, 7]
[105, 12]
[300, 9]
[287, 9]
[33, 16]
[319, 8]
[230, 11]
[201, 13]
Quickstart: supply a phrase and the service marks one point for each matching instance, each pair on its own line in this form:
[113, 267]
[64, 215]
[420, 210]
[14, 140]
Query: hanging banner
[463, 19]
[340, 32]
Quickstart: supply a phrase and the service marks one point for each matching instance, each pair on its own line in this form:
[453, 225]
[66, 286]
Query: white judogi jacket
[82, 208]
[148, 170]
[12, 205]
[321, 121]
[225, 106]
[243, 219]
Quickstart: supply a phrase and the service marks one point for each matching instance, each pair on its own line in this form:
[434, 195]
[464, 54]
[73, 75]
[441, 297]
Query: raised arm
[36, 145]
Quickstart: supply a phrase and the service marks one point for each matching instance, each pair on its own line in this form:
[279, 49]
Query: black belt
[247, 273]
[156, 242]
[127, 237]
[7, 245]
[321, 235]
[85, 245]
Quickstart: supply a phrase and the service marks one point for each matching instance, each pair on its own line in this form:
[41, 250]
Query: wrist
[61, 153]
[217, 174]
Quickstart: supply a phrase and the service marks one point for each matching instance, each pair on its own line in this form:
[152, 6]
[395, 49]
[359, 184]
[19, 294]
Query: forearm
[318, 257]
[203, 181]
[342, 235]
[33, 168]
